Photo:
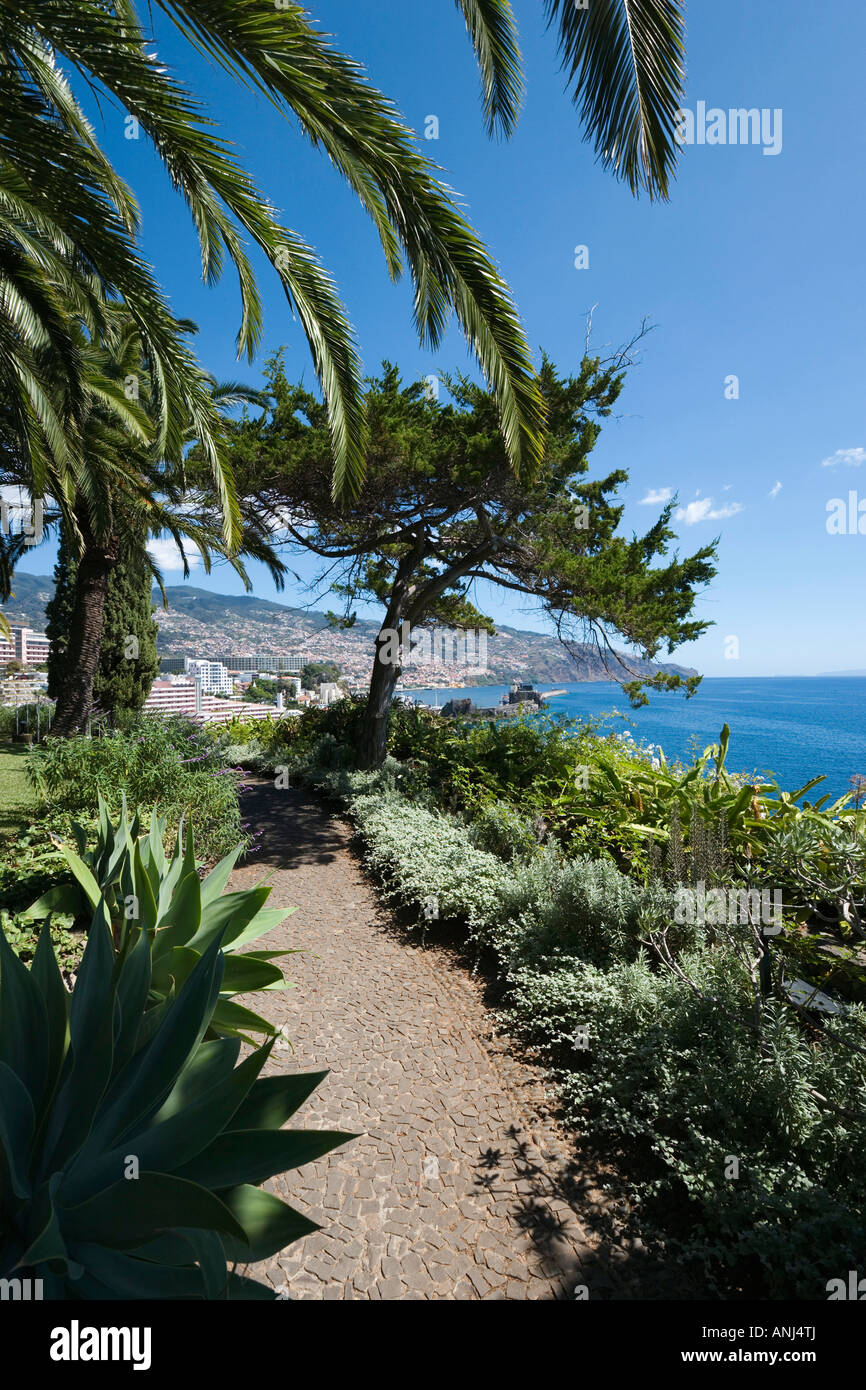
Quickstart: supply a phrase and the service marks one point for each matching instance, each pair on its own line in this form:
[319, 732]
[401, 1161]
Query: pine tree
[128, 661]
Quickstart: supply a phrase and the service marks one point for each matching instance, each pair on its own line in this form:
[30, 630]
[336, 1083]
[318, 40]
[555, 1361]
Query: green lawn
[17, 799]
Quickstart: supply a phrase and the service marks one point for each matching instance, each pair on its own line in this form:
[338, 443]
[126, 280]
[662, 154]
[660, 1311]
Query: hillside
[200, 623]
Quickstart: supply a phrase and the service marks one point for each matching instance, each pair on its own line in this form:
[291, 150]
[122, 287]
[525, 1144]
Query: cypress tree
[128, 661]
[58, 615]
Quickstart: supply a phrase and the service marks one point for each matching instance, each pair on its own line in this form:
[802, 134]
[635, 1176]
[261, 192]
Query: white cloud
[656, 495]
[705, 511]
[852, 458]
[775, 490]
[167, 556]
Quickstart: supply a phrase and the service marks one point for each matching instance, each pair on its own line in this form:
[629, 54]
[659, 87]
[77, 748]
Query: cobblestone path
[459, 1186]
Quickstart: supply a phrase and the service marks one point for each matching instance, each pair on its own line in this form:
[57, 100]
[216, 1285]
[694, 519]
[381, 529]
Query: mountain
[200, 623]
[834, 675]
[30, 593]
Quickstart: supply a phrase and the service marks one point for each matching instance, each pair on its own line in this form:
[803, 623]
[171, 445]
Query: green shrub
[139, 889]
[167, 764]
[546, 905]
[132, 1152]
[500, 829]
[427, 860]
[253, 756]
[582, 907]
[679, 1073]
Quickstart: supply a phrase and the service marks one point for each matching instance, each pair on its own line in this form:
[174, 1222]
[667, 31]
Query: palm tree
[624, 57]
[121, 489]
[59, 180]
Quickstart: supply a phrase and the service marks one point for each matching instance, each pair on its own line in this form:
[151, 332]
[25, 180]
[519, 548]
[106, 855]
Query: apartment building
[214, 677]
[265, 662]
[24, 645]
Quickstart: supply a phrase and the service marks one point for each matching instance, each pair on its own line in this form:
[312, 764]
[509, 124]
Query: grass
[17, 798]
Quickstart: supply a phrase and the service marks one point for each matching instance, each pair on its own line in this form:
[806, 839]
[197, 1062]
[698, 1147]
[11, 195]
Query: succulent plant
[142, 889]
[132, 1149]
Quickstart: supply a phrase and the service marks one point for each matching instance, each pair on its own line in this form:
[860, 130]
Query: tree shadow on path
[618, 1268]
[288, 826]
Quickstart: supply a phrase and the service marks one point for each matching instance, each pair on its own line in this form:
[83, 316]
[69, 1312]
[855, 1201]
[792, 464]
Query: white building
[29, 647]
[265, 663]
[214, 677]
[330, 693]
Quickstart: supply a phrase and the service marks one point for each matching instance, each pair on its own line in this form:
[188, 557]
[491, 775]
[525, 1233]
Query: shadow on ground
[621, 1269]
[287, 825]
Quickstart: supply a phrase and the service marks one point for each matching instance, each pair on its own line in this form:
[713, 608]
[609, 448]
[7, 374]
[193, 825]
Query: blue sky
[754, 269]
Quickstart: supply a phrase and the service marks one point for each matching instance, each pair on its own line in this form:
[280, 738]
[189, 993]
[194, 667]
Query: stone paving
[460, 1186]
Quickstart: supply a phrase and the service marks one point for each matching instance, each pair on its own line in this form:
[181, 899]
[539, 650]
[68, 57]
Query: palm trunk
[75, 701]
[373, 743]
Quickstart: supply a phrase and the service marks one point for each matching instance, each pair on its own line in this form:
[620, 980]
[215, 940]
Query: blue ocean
[791, 727]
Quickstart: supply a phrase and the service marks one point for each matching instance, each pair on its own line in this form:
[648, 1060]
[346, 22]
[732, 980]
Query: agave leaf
[169, 879]
[173, 967]
[63, 897]
[244, 974]
[144, 892]
[105, 833]
[88, 883]
[234, 1020]
[126, 882]
[179, 917]
[91, 1049]
[273, 1099]
[265, 921]
[129, 1277]
[46, 973]
[127, 1213]
[254, 1155]
[213, 885]
[232, 912]
[151, 1020]
[189, 862]
[166, 1147]
[268, 1224]
[133, 984]
[213, 1061]
[23, 1023]
[119, 850]
[47, 1243]
[209, 1251]
[276, 955]
[17, 1123]
[140, 1089]
[156, 853]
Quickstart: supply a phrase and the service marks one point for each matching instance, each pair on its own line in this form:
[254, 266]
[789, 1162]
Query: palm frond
[625, 66]
[493, 32]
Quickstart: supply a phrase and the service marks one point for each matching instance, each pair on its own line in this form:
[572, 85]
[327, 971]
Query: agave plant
[131, 1149]
[142, 890]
